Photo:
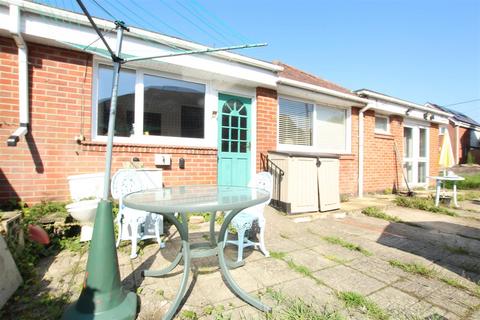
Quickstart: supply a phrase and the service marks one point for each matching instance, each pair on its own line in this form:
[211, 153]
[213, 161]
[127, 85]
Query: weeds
[378, 213]
[413, 268]
[347, 245]
[457, 250]
[422, 204]
[363, 304]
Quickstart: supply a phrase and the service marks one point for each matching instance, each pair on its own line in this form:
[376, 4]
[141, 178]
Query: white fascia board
[465, 125]
[395, 109]
[47, 30]
[357, 101]
[72, 17]
[401, 102]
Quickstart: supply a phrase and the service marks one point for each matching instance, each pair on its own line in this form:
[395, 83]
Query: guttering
[63, 15]
[361, 139]
[314, 88]
[22, 77]
[383, 97]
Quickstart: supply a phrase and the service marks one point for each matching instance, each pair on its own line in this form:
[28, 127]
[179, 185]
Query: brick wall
[60, 109]
[267, 106]
[382, 169]
[463, 144]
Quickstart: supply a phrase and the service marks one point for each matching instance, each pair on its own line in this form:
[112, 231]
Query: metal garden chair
[244, 221]
[134, 224]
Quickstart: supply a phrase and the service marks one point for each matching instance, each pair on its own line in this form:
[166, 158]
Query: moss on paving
[423, 204]
[361, 303]
[348, 245]
[378, 213]
[413, 268]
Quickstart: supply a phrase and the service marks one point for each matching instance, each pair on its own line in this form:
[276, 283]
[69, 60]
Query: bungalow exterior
[211, 115]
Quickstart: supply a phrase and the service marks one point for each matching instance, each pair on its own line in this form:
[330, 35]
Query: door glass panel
[243, 134]
[225, 121]
[234, 122]
[243, 122]
[408, 142]
[234, 146]
[243, 111]
[243, 147]
[225, 133]
[423, 143]
[224, 146]
[234, 134]
[408, 167]
[422, 172]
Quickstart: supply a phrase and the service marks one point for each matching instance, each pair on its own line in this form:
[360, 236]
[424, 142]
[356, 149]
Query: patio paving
[307, 266]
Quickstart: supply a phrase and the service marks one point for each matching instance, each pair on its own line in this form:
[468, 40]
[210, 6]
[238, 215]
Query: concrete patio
[305, 264]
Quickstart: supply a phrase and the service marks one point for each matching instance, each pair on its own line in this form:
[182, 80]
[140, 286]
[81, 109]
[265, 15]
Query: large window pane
[295, 123]
[408, 167]
[423, 143]
[331, 129]
[125, 104]
[422, 172]
[173, 108]
[408, 142]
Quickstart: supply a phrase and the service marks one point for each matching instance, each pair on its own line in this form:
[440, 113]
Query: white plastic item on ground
[10, 277]
[85, 186]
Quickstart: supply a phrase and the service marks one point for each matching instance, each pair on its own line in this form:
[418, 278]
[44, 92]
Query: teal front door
[234, 122]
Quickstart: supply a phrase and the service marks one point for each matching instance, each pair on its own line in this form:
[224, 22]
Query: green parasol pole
[103, 296]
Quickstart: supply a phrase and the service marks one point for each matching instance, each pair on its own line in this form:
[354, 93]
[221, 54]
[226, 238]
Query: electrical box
[163, 159]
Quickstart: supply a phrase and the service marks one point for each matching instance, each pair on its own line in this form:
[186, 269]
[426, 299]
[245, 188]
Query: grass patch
[470, 182]
[347, 245]
[457, 250]
[336, 259]
[413, 268]
[468, 195]
[363, 304]
[278, 255]
[422, 204]
[378, 213]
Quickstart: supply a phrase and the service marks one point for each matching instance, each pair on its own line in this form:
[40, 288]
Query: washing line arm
[189, 52]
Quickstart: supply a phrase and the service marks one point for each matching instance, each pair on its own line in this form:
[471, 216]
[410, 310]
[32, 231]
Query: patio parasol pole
[103, 296]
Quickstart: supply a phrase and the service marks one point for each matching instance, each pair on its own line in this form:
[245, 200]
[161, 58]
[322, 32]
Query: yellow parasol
[446, 154]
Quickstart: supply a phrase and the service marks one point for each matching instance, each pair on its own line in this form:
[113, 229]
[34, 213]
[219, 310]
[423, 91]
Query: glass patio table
[200, 198]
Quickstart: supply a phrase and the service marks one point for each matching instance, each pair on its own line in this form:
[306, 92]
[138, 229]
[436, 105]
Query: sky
[420, 51]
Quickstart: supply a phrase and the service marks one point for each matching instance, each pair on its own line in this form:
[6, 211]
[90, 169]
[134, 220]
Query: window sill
[387, 136]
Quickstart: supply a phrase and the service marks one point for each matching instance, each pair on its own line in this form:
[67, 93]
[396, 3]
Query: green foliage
[470, 182]
[413, 268]
[347, 245]
[378, 213]
[422, 204]
[188, 315]
[361, 303]
[277, 255]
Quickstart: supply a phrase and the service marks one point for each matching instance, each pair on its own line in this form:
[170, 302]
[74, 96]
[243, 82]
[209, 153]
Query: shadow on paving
[452, 246]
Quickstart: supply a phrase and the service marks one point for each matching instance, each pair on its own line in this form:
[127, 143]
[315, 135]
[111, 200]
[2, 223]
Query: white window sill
[159, 141]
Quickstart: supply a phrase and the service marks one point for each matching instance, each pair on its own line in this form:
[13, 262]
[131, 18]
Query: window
[331, 133]
[295, 122]
[125, 103]
[308, 127]
[381, 124]
[171, 107]
[442, 131]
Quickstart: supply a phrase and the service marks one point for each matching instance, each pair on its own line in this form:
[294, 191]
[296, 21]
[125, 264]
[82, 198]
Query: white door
[415, 154]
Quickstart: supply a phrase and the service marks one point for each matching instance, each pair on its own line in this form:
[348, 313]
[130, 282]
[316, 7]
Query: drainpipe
[361, 147]
[22, 130]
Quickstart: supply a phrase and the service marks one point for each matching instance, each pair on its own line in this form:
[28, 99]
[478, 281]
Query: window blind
[295, 122]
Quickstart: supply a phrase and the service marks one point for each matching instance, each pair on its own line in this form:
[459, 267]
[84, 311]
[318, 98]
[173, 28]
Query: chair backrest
[125, 182]
[264, 181]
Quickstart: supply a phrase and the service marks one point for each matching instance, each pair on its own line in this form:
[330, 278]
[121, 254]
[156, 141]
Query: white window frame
[314, 147]
[138, 138]
[416, 159]
[440, 132]
[388, 124]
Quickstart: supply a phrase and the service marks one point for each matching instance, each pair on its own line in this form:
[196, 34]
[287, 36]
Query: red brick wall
[349, 163]
[382, 169]
[60, 109]
[464, 143]
[267, 106]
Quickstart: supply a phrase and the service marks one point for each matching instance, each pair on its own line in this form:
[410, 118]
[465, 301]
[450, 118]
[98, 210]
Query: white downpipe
[23, 107]
[361, 139]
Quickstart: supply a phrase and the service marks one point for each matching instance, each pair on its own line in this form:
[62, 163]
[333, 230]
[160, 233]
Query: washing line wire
[462, 102]
[104, 10]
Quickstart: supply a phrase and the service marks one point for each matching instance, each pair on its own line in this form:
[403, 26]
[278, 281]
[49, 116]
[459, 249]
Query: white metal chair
[134, 224]
[243, 221]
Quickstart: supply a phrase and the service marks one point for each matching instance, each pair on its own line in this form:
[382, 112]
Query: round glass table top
[197, 198]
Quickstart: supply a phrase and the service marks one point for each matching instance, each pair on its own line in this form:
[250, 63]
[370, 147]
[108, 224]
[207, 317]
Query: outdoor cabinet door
[302, 185]
[328, 184]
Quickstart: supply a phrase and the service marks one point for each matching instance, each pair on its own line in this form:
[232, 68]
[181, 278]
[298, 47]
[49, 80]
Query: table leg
[455, 194]
[213, 240]
[437, 193]
[226, 273]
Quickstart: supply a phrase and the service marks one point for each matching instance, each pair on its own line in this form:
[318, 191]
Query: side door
[234, 125]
